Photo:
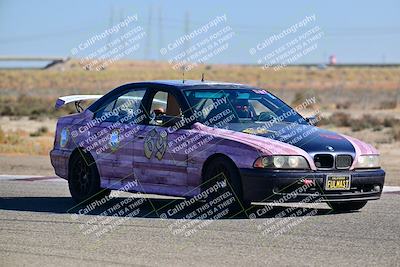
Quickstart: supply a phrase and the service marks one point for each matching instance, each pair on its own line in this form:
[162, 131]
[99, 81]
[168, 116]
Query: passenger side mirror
[313, 120]
[168, 121]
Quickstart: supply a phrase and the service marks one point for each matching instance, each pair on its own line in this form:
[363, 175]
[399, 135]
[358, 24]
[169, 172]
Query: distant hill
[39, 88]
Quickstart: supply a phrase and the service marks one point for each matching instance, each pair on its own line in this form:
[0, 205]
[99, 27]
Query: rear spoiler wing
[61, 101]
[77, 99]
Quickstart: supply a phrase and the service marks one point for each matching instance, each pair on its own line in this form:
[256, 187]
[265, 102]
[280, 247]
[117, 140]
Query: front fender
[245, 148]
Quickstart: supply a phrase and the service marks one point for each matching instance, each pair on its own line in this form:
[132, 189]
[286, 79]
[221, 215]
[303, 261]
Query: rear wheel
[347, 206]
[84, 179]
[224, 172]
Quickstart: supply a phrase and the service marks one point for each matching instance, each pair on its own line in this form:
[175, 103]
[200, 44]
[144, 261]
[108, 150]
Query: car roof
[187, 84]
[178, 85]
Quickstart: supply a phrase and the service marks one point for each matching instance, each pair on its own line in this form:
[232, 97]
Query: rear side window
[124, 108]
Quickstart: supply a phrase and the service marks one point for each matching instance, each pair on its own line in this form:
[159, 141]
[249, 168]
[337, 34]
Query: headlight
[365, 162]
[281, 162]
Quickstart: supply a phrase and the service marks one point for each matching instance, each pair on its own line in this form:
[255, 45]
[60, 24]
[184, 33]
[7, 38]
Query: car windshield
[216, 106]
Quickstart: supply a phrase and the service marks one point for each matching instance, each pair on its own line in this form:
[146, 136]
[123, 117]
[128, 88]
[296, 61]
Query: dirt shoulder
[25, 164]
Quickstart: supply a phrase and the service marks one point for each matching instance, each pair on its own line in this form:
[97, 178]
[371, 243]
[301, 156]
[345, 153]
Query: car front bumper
[261, 185]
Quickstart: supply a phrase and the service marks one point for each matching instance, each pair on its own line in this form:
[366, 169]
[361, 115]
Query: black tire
[221, 169]
[347, 206]
[84, 179]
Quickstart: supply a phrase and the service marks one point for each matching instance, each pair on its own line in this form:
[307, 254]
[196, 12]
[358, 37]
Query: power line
[173, 23]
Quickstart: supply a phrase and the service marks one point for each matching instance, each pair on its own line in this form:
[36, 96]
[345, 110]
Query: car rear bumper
[59, 161]
[266, 185]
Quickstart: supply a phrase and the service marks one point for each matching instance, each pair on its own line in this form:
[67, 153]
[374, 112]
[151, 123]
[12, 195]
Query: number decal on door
[155, 142]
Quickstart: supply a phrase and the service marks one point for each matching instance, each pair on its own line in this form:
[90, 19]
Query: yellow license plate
[337, 182]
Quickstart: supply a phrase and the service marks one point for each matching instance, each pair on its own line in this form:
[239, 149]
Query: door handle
[141, 136]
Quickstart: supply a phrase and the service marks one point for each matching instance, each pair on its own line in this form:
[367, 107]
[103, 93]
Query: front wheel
[224, 172]
[84, 179]
[347, 206]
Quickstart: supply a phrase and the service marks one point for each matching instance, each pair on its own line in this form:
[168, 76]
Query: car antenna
[183, 76]
[202, 77]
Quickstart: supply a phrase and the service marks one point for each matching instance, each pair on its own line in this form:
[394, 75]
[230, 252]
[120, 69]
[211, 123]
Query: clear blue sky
[355, 31]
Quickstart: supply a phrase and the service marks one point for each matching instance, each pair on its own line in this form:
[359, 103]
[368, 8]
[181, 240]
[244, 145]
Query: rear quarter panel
[60, 153]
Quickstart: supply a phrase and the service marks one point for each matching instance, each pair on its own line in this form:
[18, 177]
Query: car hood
[309, 138]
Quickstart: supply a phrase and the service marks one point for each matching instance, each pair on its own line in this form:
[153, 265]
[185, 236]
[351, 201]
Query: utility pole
[186, 29]
[185, 46]
[111, 21]
[148, 36]
[160, 31]
[121, 18]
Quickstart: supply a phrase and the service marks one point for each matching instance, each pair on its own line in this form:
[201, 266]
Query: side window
[159, 104]
[125, 108]
[106, 110]
[164, 108]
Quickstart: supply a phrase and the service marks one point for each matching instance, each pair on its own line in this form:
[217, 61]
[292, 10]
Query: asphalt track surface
[38, 227]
